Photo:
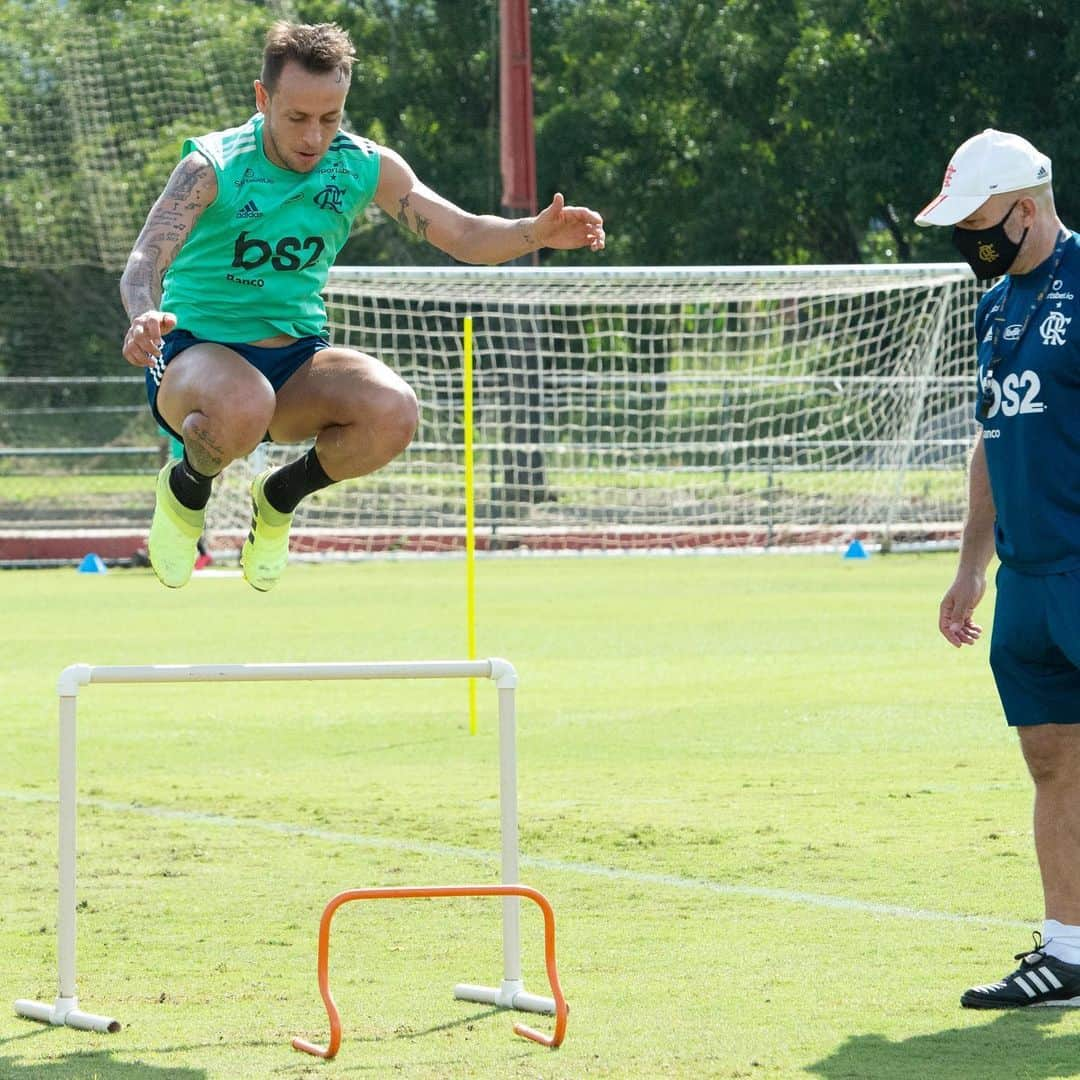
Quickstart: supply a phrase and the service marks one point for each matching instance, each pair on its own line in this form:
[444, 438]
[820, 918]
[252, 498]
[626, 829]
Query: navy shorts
[278, 365]
[1035, 647]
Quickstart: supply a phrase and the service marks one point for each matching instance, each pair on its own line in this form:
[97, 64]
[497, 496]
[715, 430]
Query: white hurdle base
[65, 1012]
[511, 995]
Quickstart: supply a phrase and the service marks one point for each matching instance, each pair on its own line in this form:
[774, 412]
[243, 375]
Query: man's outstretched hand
[568, 227]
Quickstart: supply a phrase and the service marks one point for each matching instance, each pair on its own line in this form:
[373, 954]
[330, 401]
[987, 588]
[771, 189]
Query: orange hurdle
[405, 893]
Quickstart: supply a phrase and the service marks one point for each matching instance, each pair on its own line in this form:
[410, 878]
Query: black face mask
[989, 252]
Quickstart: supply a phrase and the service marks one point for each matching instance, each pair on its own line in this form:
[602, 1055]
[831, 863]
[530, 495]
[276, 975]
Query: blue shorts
[1035, 647]
[278, 365]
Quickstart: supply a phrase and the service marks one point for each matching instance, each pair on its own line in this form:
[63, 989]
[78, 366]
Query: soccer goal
[656, 409]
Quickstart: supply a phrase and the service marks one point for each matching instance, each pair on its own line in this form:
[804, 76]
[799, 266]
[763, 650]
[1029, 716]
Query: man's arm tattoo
[185, 196]
[203, 452]
[419, 224]
[186, 178]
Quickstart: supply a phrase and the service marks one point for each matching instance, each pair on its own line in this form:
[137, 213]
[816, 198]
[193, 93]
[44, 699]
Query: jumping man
[223, 289]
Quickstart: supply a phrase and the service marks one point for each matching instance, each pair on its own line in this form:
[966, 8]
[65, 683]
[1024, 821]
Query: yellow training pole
[470, 518]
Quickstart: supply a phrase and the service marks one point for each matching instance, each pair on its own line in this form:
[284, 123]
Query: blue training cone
[856, 551]
[92, 564]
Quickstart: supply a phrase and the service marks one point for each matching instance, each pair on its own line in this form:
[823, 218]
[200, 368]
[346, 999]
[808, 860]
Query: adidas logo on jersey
[249, 210]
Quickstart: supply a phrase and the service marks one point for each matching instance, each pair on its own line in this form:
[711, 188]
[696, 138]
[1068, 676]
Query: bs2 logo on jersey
[249, 253]
[1015, 394]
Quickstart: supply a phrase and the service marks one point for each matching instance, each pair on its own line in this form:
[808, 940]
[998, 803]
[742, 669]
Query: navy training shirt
[1031, 428]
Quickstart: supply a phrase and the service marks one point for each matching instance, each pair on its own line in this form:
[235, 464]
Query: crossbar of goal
[510, 994]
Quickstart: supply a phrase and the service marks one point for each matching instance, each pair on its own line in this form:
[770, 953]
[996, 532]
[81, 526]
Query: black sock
[285, 488]
[191, 487]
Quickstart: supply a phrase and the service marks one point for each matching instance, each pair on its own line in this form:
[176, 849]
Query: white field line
[564, 866]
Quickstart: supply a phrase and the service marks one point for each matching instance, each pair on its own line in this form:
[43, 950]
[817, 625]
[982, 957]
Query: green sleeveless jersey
[257, 259]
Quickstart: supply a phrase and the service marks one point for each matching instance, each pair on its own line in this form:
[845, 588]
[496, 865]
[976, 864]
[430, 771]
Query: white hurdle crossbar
[510, 995]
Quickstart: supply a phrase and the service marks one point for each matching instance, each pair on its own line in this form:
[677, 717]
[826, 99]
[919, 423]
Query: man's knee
[387, 419]
[1052, 752]
[246, 420]
[232, 427]
[400, 414]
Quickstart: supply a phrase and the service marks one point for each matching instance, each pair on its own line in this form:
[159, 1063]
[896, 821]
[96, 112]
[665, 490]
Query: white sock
[1062, 941]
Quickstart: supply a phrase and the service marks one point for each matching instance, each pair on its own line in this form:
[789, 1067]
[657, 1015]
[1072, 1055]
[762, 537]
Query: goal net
[654, 409]
[94, 106]
[615, 409]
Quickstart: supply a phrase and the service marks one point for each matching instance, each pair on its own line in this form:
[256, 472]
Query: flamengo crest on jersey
[1029, 409]
[1053, 328]
[257, 259]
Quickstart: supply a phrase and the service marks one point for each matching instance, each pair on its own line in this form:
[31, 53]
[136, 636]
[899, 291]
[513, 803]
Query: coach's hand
[142, 342]
[957, 608]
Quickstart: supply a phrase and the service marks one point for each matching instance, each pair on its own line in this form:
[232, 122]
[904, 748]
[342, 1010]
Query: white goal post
[656, 409]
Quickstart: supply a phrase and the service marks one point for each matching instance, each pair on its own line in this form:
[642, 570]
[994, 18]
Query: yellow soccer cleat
[265, 553]
[174, 535]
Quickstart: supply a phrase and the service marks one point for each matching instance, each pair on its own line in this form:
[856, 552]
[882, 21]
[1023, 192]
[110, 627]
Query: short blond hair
[1042, 194]
[317, 47]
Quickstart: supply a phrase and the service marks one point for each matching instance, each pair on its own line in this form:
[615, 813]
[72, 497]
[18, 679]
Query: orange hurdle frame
[405, 893]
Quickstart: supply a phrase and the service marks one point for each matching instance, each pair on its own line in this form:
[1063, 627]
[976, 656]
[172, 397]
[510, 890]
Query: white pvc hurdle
[511, 994]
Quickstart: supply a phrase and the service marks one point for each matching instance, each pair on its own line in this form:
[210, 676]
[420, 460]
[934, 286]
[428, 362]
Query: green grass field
[782, 825]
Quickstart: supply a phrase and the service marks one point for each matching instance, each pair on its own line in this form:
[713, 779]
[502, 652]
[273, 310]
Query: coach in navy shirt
[1024, 504]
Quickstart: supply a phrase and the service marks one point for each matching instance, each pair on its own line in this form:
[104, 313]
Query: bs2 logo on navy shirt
[1014, 394]
[1018, 394]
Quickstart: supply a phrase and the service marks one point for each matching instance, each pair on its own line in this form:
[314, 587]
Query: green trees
[742, 132]
[95, 100]
[750, 131]
[791, 130]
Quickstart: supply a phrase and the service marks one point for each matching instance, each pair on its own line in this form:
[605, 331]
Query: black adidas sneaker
[1039, 980]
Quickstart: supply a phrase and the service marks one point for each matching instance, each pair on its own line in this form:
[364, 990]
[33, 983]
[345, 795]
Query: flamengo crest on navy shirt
[1029, 408]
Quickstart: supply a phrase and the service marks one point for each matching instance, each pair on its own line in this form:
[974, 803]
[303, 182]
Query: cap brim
[949, 209]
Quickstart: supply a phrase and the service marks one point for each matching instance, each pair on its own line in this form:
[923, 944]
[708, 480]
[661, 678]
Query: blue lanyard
[999, 317]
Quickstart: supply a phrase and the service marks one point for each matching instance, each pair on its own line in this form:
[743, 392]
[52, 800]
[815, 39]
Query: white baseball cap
[987, 164]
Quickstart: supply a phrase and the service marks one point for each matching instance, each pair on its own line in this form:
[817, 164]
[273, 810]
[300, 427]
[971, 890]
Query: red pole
[517, 143]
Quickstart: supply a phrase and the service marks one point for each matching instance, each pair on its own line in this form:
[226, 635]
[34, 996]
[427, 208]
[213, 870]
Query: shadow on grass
[403, 1031]
[1014, 1044]
[99, 1064]
[462, 1021]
